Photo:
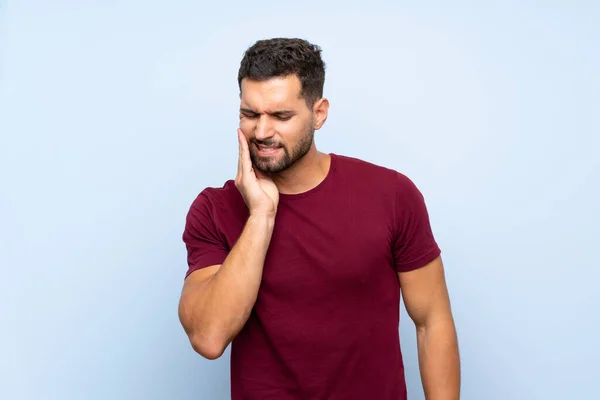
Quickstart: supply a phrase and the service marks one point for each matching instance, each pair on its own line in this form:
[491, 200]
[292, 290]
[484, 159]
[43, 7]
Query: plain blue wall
[114, 115]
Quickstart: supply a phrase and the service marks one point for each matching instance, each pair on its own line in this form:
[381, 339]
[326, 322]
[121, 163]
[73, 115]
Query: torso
[325, 323]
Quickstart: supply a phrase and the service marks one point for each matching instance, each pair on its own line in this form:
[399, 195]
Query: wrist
[262, 216]
[263, 222]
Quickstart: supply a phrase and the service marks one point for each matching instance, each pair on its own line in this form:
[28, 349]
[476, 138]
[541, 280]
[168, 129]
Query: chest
[333, 250]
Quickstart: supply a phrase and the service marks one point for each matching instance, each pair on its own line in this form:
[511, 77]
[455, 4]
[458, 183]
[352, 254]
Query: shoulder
[211, 199]
[216, 211]
[367, 171]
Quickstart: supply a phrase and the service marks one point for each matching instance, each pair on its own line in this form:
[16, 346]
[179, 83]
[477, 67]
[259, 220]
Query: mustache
[270, 143]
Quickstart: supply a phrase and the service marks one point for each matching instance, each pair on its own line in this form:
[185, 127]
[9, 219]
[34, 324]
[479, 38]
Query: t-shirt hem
[207, 262]
[421, 261]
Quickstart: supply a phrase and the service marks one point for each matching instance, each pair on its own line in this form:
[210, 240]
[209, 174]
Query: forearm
[224, 302]
[439, 360]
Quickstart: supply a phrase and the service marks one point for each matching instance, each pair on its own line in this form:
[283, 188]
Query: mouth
[267, 150]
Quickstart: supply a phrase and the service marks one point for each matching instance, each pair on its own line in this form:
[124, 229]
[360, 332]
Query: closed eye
[249, 115]
[283, 115]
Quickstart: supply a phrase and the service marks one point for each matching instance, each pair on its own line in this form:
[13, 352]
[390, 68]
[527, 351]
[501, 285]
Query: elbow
[439, 325]
[204, 340]
[211, 349]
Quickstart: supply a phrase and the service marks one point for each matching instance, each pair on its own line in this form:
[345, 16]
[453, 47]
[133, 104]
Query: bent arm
[427, 303]
[216, 301]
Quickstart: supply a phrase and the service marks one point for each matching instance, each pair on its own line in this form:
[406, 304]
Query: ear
[320, 111]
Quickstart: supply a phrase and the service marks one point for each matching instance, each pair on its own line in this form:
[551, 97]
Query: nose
[263, 129]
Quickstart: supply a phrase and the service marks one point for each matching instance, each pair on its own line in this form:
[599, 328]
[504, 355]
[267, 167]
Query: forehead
[272, 94]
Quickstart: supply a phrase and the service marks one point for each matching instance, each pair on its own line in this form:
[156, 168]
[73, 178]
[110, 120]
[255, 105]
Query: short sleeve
[201, 237]
[415, 245]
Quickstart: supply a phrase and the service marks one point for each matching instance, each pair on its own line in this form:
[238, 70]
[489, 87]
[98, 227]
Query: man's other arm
[427, 302]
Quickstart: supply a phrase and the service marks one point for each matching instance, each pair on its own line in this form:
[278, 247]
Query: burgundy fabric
[325, 324]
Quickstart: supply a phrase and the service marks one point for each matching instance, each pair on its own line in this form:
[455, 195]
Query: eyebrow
[275, 113]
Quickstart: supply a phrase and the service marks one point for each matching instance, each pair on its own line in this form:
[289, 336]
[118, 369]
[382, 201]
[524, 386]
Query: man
[299, 262]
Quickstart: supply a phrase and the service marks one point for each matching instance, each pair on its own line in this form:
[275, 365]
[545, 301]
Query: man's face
[277, 122]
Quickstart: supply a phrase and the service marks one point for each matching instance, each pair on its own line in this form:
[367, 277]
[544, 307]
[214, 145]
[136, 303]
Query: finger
[245, 154]
[240, 170]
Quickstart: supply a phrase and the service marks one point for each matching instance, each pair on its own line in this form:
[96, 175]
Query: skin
[274, 112]
[216, 301]
[427, 302]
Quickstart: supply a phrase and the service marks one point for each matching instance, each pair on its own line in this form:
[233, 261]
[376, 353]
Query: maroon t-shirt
[325, 323]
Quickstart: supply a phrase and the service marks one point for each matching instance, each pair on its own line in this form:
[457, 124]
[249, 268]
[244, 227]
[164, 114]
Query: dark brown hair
[280, 57]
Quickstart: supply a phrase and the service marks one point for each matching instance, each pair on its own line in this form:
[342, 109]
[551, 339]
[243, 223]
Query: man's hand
[217, 300]
[259, 191]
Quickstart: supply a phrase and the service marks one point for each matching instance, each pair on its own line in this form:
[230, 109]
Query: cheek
[292, 130]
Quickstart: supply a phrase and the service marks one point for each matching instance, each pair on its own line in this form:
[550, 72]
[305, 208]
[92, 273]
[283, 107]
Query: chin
[271, 167]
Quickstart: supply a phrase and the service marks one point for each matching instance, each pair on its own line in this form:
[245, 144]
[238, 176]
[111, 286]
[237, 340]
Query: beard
[288, 157]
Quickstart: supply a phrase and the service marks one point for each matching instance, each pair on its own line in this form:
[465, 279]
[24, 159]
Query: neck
[305, 174]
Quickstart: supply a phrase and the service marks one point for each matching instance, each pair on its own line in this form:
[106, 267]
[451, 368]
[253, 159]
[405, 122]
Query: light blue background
[114, 115]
